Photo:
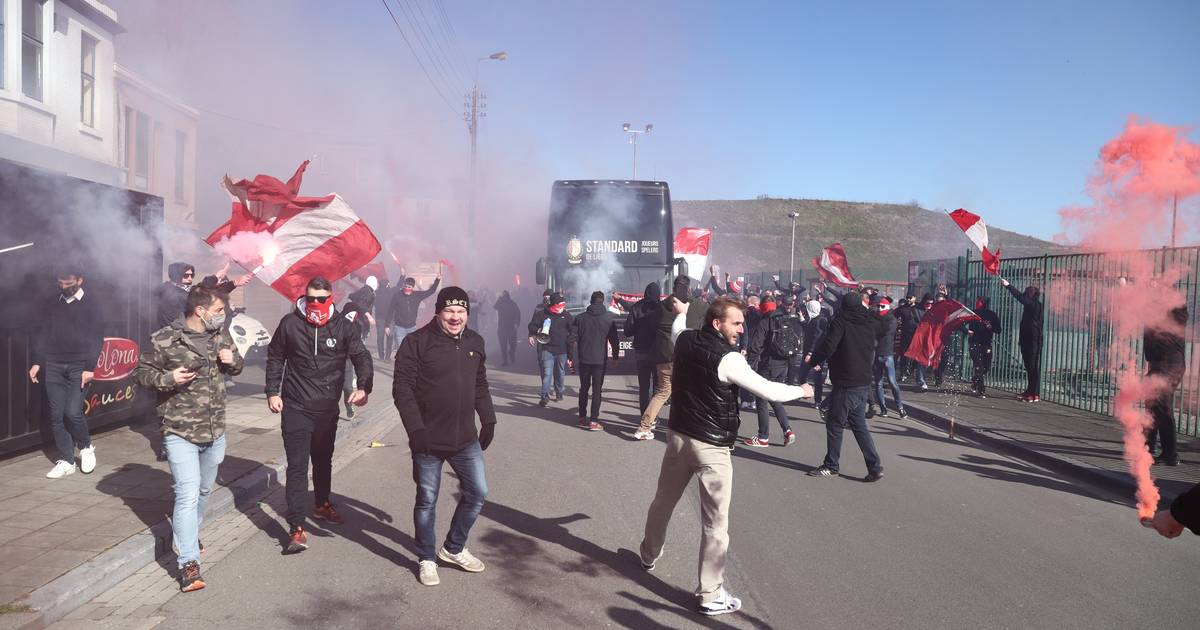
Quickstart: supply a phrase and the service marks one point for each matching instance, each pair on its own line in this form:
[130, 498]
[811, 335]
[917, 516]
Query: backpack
[784, 340]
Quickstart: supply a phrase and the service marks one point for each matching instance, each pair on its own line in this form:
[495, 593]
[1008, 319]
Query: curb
[1106, 479]
[80, 585]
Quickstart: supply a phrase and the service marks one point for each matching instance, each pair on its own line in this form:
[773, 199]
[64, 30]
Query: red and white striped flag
[933, 333]
[693, 244]
[976, 230]
[833, 266]
[294, 238]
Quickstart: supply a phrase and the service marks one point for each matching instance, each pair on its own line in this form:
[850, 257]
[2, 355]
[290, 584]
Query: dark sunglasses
[317, 298]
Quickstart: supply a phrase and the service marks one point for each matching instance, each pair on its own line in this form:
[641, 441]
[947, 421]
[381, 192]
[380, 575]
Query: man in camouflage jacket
[186, 365]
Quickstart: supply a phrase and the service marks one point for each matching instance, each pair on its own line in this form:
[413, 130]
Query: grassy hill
[880, 238]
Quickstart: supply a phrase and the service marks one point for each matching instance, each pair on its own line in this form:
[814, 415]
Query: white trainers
[87, 459]
[428, 573]
[463, 560]
[726, 603]
[643, 435]
[61, 469]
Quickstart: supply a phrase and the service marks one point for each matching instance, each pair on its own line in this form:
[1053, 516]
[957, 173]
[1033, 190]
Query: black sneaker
[543, 402]
[873, 477]
[820, 411]
[1166, 461]
[822, 471]
[902, 413]
[870, 411]
[883, 413]
[189, 578]
[558, 397]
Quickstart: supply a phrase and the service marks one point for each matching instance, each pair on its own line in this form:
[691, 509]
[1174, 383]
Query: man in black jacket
[170, 297]
[907, 320]
[849, 346]
[1164, 351]
[595, 332]
[642, 325]
[885, 362]
[703, 426]
[778, 338]
[383, 302]
[1030, 338]
[554, 338]
[306, 364]
[357, 311]
[979, 336]
[64, 355]
[406, 302]
[508, 317]
[662, 348]
[440, 385]
[814, 331]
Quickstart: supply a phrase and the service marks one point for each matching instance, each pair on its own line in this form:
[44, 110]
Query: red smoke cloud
[1140, 175]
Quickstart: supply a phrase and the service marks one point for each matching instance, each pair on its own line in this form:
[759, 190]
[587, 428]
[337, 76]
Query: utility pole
[475, 108]
[633, 136]
[1174, 214]
[792, 265]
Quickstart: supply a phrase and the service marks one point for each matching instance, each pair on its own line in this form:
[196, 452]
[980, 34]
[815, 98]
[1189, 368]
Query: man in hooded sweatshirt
[1164, 350]
[1030, 339]
[554, 337]
[814, 330]
[642, 326]
[357, 311]
[979, 335]
[306, 363]
[406, 303]
[885, 363]
[170, 297]
[595, 334]
[508, 317]
[661, 352]
[907, 320]
[849, 346]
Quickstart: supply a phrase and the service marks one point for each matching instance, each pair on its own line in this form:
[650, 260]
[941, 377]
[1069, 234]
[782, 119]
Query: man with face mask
[979, 335]
[440, 386]
[1030, 339]
[185, 365]
[64, 355]
[554, 337]
[406, 303]
[907, 320]
[306, 364]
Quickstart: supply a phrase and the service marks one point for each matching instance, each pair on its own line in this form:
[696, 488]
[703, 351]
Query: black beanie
[453, 296]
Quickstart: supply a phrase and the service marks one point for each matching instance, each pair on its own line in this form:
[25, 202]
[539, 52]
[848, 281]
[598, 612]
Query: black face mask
[69, 291]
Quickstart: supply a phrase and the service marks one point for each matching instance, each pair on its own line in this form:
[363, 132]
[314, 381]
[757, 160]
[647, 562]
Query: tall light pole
[474, 109]
[633, 136]
[792, 265]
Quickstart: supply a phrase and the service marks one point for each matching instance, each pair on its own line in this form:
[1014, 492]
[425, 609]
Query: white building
[57, 87]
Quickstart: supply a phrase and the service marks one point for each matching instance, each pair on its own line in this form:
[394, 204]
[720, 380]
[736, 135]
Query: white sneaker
[726, 603]
[61, 469]
[87, 459]
[428, 574]
[643, 435]
[463, 560]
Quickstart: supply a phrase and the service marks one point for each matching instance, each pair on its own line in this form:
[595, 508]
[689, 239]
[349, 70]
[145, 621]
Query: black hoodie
[643, 320]
[849, 346]
[170, 297]
[981, 333]
[1031, 315]
[595, 331]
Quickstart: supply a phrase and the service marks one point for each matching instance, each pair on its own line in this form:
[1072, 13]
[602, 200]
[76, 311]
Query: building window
[136, 157]
[87, 86]
[31, 48]
[180, 159]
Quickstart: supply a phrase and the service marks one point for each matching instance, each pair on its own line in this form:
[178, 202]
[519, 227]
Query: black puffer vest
[702, 407]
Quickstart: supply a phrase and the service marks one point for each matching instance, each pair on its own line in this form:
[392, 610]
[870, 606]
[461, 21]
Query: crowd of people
[710, 353]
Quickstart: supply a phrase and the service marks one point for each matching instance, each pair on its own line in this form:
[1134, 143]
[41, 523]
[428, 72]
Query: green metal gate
[1078, 292]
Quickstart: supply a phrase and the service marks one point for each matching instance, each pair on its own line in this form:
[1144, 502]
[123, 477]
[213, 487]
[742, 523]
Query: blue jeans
[554, 371]
[66, 408]
[467, 465]
[848, 407]
[886, 366]
[194, 468]
[399, 333]
[776, 371]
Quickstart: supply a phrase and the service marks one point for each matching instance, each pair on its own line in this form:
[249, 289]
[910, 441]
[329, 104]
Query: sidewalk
[1068, 441]
[67, 540]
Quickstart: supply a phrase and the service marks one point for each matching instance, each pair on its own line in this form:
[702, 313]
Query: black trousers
[383, 342]
[1031, 356]
[1164, 418]
[508, 344]
[981, 362]
[645, 374]
[308, 433]
[590, 377]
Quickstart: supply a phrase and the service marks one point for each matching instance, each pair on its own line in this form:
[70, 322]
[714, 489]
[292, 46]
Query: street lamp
[633, 136]
[475, 107]
[792, 265]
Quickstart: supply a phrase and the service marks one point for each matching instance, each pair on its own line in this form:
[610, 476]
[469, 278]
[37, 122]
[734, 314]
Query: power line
[430, 52]
[442, 43]
[448, 27]
[415, 56]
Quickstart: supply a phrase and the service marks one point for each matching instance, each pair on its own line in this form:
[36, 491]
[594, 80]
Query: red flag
[933, 333]
[976, 230]
[294, 238]
[834, 267]
[693, 244]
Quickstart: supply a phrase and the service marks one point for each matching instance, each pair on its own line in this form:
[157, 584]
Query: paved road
[954, 536]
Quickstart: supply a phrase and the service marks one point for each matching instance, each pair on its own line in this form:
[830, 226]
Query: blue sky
[999, 107]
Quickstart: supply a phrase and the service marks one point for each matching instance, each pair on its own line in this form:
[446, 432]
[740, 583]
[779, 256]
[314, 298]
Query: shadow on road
[1008, 470]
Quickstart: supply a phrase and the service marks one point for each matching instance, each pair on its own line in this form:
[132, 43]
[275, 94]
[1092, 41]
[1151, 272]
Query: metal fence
[1082, 351]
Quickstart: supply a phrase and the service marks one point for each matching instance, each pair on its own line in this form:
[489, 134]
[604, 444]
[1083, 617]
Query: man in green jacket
[186, 365]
